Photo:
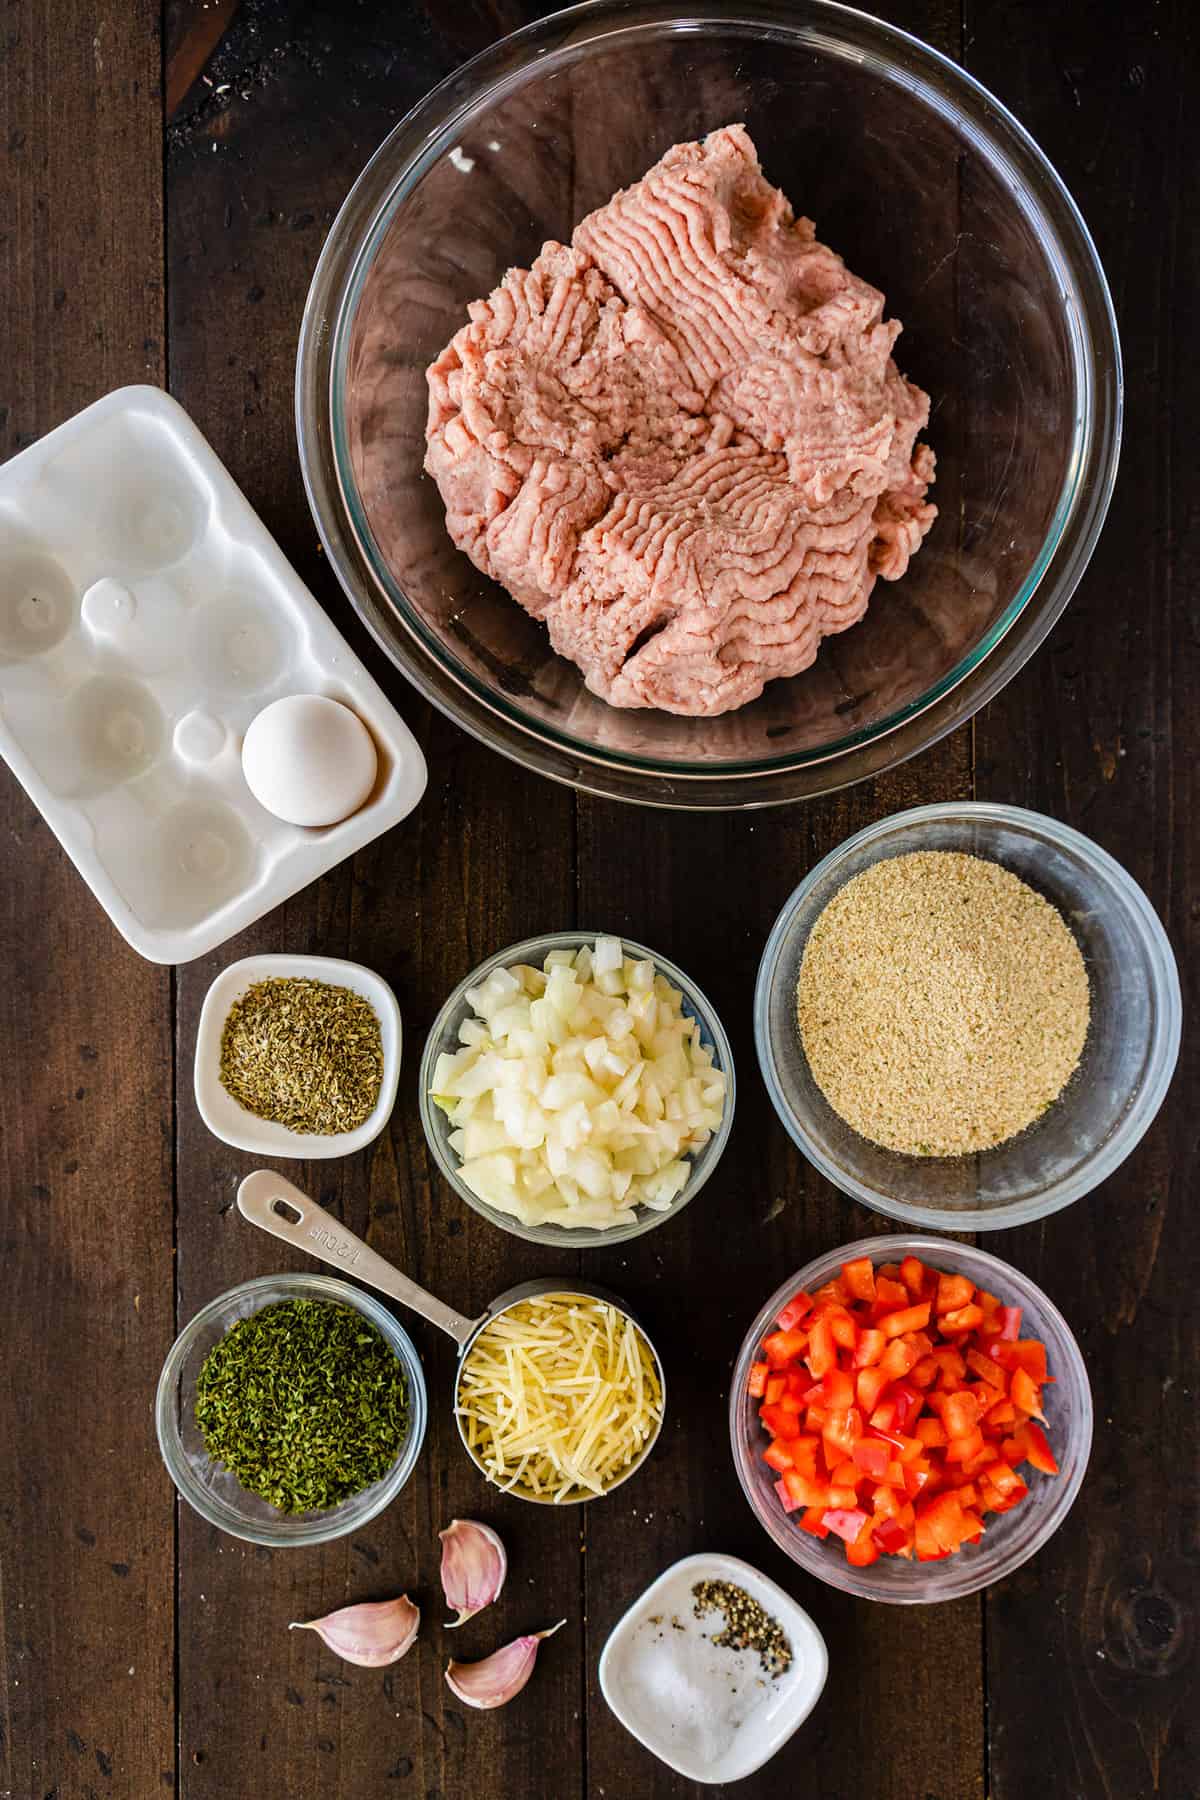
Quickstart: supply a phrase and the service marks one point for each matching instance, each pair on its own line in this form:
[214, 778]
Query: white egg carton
[146, 616]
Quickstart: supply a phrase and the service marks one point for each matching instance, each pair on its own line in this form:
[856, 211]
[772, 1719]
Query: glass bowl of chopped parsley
[291, 1410]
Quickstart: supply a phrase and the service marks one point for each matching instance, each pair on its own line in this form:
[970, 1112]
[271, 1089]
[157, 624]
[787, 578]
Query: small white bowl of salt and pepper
[234, 1123]
[713, 1668]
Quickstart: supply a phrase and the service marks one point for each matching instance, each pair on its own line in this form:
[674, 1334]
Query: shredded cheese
[558, 1397]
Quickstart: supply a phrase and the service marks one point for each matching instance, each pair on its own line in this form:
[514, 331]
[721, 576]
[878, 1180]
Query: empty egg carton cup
[146, 617]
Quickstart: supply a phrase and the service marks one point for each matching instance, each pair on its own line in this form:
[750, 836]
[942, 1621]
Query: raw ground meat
[682, 441]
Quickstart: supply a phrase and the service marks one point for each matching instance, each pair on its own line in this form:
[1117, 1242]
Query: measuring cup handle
[277, 1205]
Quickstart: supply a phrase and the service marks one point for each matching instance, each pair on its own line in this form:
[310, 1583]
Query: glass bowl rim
[578, 1237]
[422, 135]
[1161, 1059]
[953, 1578]
[332, 1525]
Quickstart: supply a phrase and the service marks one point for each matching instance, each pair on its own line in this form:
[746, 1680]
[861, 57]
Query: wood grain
[86, 1552]
[1089, 1653]
[1106, 1618]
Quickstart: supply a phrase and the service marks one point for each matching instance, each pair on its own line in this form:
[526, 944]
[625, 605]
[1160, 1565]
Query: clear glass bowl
[1110, 1101]
[1010, 1538]
[209, 1487]
[927, 186]
[443, 1036]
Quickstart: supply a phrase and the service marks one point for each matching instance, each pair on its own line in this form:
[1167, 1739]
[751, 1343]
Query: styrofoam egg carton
[146, 616]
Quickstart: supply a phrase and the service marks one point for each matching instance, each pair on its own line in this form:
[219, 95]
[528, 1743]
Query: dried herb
[303, 1054]
[304, 1403]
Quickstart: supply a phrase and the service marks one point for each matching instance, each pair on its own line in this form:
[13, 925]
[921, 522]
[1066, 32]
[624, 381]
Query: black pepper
[748, 1626]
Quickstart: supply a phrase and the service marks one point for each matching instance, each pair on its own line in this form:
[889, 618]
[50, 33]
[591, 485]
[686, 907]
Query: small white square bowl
[230, 1121]
[791, 1697]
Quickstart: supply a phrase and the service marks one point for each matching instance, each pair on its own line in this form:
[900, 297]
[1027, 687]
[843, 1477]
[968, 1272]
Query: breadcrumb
[943, 1004]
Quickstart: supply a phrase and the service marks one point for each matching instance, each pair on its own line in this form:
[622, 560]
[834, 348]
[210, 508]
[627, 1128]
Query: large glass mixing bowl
[927, 187]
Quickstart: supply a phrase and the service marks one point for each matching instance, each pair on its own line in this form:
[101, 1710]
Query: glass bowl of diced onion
[617, 1189]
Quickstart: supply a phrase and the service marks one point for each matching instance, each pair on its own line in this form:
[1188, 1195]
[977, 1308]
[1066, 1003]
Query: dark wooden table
[165, 185]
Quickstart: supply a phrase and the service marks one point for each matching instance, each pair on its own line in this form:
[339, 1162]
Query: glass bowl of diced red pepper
[911, 1418]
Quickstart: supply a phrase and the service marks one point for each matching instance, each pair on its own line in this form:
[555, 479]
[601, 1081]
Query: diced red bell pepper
[913, 1275]
[963, 1448]
[869, 1348]
[1026, 1394]
[882, 1425]
[890, 1295]
[871, 1457]
[1026, 1353]
[907, 1401]
[1038, 1451]
[782, 1347]
[805, 1452]
[899, 1357]
[960, 1413]
[1004, 1479]
[953, 1291]
[844, 1521]
[785, 1499]
[822, 1351]
[779, 1423]
[837, 1391]
[859, 1278]
[943, 1516]
[906, 1318]
[805, 1491]
[843, 1329]
[811, 1521]
[951, 1364]
[891, 1537]
[864, 1550]
[972, 1527]
[965, 1319]
[986, 1369]
[950, 1392]
[869, 1386]
[796, 1309]
[842, 1430]
[917, 1477]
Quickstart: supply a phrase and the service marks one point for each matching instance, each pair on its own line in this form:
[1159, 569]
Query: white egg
[309, 760]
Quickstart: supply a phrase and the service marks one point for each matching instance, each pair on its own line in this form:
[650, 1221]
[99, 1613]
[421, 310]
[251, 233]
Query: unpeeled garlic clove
[473, 1568]
[371, 1634]
[495, 1680]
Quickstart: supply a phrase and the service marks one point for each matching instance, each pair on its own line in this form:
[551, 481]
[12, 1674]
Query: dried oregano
[303, 1054]
[304, 1403]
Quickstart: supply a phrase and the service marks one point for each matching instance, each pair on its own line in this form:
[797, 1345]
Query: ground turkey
[682, 441]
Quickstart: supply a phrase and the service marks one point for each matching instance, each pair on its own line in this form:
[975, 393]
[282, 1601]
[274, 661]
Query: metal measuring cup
[277, 1205]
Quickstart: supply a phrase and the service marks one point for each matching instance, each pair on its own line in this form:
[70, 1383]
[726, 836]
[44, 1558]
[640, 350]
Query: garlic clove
[500, 1676]
[473, 1568]
[371, 1634]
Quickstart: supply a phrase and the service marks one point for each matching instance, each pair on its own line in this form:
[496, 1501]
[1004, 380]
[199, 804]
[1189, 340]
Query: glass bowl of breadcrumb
[967, 1016]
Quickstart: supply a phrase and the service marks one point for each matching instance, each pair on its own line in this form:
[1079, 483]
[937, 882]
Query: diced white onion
[580, 1090]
